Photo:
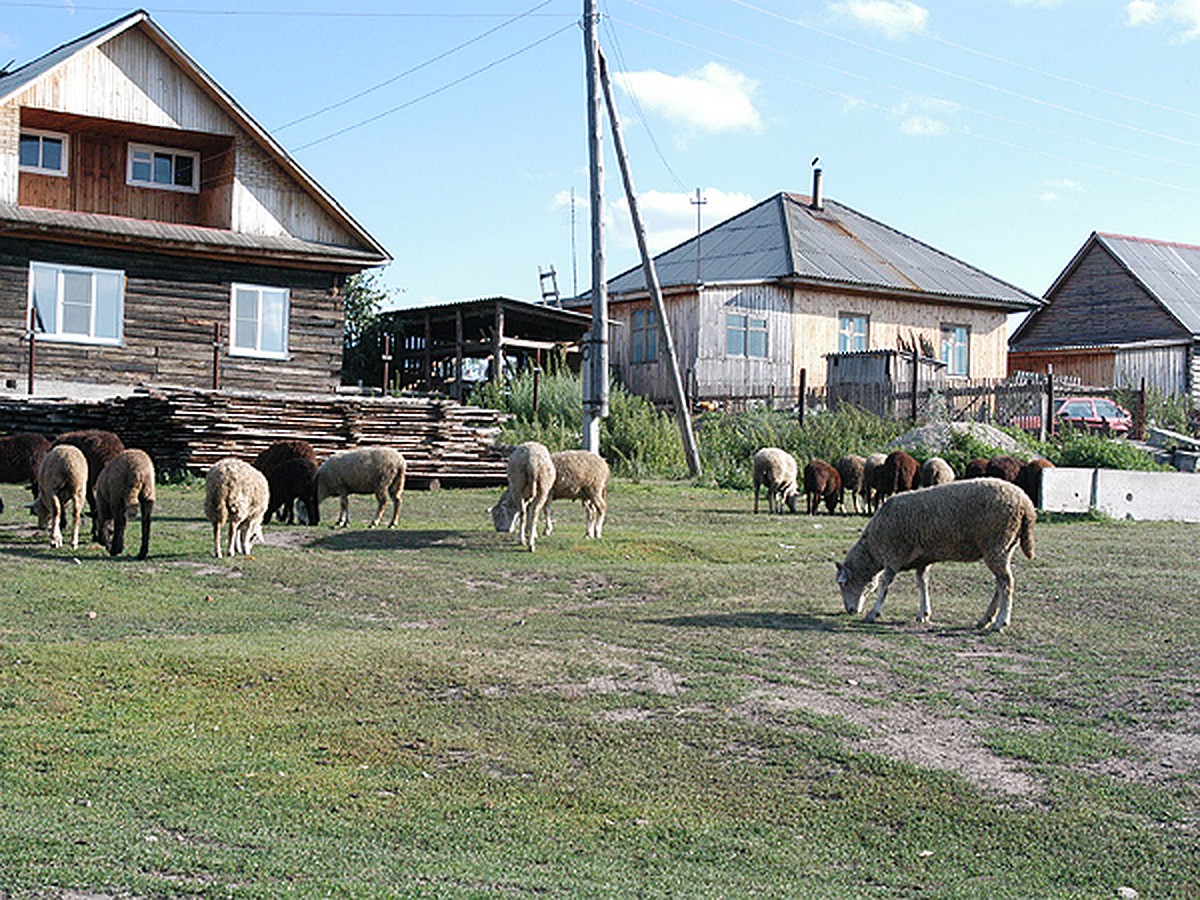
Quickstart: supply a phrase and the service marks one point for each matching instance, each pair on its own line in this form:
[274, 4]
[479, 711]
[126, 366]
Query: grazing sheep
[61, 479]
[21, 457]
[897, 474]
[128, 480]
[851, 467]
[935, 470]
[292, 480]
[1030, 478]
[100, 447]
[821, 482]
[976, 468]
[872, 473]
[778, 471]
[531, 477]
[366, 470]
[581, 475]
[273, 457]
[1006, 468]
[235, 493]
[982, 518]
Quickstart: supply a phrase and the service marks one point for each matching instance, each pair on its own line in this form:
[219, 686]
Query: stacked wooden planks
[447, 444]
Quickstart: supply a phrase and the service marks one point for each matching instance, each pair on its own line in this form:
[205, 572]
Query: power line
[445, 87]
[363, 93]
[282, 13]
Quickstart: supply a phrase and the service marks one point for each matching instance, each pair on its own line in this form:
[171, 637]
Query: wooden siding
[1094, 367]
[1165, 368]
[889, 321]
[171, 305]
[131, 80]
[1098, 303]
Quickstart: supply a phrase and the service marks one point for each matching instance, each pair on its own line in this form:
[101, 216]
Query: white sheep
[778, 471]
[126, 480]
[365, 470]
[61, 479]
[935, 470]
[982, 518]
[531, 477]
[235, 493]
[581, 475]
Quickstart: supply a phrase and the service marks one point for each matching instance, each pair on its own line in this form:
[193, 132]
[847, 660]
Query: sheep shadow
[832, 622]
[386, 539]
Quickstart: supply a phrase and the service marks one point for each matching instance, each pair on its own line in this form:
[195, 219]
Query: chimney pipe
[818, 196]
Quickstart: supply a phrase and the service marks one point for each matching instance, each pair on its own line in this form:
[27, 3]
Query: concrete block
[1067, 490]
[1186, 461]
[1148, 496]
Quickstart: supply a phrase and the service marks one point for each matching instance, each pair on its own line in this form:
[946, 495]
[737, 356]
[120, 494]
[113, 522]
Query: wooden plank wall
[445, 443]
[171, 304]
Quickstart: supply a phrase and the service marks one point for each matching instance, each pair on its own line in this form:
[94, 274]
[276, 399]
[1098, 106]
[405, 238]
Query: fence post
[1139, 415]
[803, 393]
[1048, 419]
[915, 375]
[216, 357]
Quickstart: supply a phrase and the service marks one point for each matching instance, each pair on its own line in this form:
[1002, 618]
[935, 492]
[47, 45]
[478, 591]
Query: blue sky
[1002, 132]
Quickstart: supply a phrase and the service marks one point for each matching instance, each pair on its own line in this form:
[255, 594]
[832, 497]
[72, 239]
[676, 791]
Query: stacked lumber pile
[446, 443]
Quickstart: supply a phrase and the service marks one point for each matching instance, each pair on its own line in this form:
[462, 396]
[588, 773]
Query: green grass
[680, 709]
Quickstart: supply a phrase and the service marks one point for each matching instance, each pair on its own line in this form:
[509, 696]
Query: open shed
[446, 347]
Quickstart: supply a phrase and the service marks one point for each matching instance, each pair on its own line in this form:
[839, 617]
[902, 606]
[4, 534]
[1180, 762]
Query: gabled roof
[22, 77]
[784, 239]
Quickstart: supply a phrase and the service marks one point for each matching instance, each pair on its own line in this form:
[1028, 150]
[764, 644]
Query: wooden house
[1123, 310]
[767, 294]
[152, 232]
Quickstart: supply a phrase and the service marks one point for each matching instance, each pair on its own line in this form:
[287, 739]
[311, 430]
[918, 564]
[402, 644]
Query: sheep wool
[61, 479]
[581, 475]
[531, 477]
[365, 470]
[975, 519]
[127, 480]
[235, 494]
[777, 471]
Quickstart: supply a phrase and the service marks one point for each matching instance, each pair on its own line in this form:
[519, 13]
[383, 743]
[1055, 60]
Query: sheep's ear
[843, 575]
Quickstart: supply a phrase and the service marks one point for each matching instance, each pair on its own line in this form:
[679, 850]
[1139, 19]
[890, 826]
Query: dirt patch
[906, 733]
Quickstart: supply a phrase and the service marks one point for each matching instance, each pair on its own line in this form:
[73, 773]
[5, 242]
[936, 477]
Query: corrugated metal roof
[784, 238]
[1170, 272]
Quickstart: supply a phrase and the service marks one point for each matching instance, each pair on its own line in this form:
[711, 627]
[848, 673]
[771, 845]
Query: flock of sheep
[920, 513]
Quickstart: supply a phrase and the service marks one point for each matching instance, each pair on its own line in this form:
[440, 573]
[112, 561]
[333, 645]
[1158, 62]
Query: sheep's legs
[344, 514]
[924, 613]
[59, 510]
[76, 514]
[999, 611]
[884, 584]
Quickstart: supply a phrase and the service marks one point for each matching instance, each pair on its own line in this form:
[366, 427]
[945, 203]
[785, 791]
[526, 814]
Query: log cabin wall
[171, 305]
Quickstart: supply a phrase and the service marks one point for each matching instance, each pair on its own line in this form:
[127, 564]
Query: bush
[1091, 451]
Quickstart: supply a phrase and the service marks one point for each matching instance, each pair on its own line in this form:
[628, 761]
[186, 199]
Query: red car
[1098, 414]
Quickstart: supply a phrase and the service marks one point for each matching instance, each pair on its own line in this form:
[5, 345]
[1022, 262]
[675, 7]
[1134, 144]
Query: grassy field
[680, 709]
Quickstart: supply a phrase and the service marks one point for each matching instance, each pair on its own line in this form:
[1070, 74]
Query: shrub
[1091, 451]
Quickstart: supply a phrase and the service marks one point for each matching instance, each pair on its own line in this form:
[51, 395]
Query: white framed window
[643, 336]
[852, 332]
[956, 343]
[76, 304]
[745, 335]
[163, 168]
[258, 321]
[44, 152]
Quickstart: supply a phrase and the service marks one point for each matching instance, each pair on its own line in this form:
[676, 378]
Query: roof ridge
[1144, 240]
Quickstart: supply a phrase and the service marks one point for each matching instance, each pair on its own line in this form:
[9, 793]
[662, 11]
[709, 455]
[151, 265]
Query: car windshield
[1108, 409]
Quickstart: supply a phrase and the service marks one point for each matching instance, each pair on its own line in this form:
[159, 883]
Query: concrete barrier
[1141, 496]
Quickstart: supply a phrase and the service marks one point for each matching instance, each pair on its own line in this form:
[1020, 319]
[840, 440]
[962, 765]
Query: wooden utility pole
[595, 348]
[664, 331]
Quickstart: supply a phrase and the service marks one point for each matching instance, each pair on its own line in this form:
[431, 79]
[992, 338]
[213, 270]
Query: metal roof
[1169, 272]
[783, 238]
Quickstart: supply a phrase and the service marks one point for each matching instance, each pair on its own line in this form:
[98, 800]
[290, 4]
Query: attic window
[44, 152]
[164, 168]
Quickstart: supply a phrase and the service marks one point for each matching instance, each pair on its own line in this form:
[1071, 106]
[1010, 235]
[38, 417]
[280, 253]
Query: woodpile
[446, 443]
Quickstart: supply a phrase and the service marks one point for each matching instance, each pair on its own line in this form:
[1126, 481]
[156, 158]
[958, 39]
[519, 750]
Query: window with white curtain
[258, 321]
[77, 304]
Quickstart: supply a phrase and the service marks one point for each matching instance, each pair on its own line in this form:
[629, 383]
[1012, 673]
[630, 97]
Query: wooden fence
[444, 442]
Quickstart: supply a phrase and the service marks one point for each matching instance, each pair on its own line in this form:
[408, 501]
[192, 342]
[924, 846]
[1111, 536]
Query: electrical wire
[433, 59]
[445, 87]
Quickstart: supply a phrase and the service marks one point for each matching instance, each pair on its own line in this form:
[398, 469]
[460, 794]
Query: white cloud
[895, 18]
[925, 116]
[1157, 12]
[1055, 190]
[710, 99]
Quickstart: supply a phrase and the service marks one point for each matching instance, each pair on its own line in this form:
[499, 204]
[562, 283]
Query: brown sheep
[975, 468]
[1030, 478]
[821, 482]
[1006, 468]
[900, 472]
[292, 480]
[872, 473]
[127, 480]
[21, 456]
